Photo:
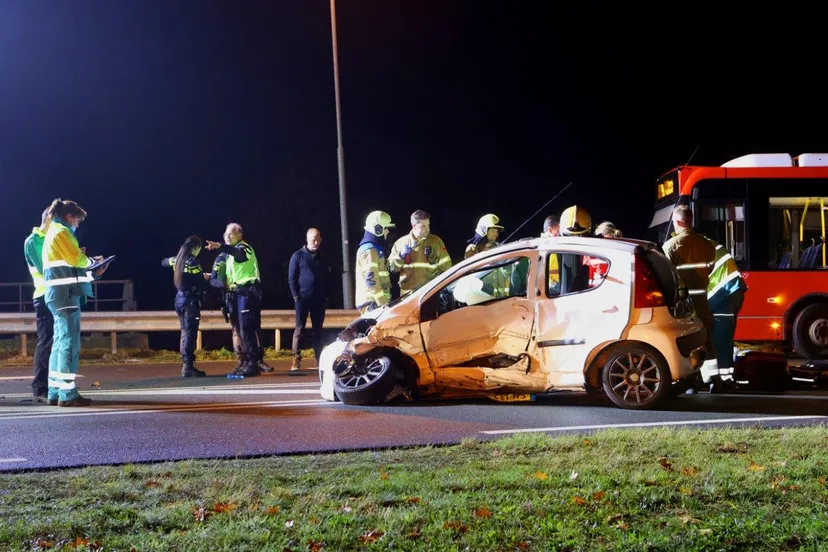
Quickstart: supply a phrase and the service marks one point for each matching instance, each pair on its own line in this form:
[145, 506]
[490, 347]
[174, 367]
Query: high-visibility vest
[64, 264]
[239, 274]
[33, 251]
[725, 276]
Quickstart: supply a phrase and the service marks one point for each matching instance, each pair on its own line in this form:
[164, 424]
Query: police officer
[373, 282]
[694, 256]
[418, 256]
[485, 235]
[218, 279]
[68, 285]
[725, 294]
[243, 278]
[33, 252]
[190, 286]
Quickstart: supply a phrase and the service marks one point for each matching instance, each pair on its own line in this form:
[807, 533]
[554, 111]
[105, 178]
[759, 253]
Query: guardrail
[25, 289]
[166, 321]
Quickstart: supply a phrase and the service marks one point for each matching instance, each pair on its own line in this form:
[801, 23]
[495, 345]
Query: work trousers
[249, 304]
[63, 362]
[188, 309]
[43, 348]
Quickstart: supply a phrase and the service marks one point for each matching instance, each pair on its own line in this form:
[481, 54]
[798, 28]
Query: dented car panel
[530, 317]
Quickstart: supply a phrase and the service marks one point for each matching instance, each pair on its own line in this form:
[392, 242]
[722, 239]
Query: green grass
[663, 489]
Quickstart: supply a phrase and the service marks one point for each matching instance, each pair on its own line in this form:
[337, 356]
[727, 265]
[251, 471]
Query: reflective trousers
[63, 363]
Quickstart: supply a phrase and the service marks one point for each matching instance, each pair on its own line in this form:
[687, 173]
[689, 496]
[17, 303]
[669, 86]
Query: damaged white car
[534, 316]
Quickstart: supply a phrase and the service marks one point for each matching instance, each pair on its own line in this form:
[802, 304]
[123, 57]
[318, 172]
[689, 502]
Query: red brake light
[648, 292]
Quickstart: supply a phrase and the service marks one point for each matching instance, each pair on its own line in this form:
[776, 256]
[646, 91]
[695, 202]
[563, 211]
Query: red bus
[768, 210]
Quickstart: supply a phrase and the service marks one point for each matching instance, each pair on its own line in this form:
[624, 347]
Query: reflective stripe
[56, 263]
[62, 375]
[730, 277]
[693, 266]
[696, 292]
[65, 385]
[65, 281]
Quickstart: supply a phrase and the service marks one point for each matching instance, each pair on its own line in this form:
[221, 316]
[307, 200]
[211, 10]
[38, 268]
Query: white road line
[237, 390]
[653, 424]
[12, 460]
[92, 411]
[23, 378]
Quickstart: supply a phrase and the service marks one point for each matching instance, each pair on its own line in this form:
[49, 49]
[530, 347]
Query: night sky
[165, 118]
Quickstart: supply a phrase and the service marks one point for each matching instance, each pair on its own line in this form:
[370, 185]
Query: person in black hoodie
[309, 277]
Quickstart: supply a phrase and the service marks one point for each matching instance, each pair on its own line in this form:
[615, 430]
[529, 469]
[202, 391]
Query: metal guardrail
[166, 321]
[25, 289]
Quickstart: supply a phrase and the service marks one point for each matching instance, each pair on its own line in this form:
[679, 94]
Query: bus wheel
[810, 331]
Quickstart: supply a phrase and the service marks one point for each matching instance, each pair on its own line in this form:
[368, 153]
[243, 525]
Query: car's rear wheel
[636, 377]
[369, 382]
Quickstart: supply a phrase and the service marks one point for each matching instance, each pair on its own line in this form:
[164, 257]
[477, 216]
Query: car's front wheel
[636, 377]
[368, 382]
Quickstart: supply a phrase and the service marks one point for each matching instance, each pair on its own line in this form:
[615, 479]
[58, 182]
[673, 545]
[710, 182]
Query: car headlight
[356, 329]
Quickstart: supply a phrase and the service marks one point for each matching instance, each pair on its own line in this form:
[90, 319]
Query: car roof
[622, 244]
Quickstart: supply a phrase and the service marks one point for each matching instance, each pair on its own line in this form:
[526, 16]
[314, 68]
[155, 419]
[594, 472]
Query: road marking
[12, 460]
[57, 412]
[267, 389]
[23, 378]
[654, 424]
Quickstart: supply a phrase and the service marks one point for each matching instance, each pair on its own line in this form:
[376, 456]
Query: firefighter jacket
[418, 261]
[373, 282]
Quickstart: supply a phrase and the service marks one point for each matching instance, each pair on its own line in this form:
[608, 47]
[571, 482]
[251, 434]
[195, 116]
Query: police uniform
[244, 280]
[33, 252]
[218, 279]
[68, 285]
[418, 261]
[693, 255]
[188, 308]
[725, 294]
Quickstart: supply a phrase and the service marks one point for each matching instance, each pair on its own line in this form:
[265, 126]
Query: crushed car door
[483, 317]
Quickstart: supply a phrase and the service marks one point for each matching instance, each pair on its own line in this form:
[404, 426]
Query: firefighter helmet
[486, 222]
[377, 221]
[575, 221]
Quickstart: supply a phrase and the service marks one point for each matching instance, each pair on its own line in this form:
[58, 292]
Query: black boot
[264, 366]
[250, 370]
[190, 371]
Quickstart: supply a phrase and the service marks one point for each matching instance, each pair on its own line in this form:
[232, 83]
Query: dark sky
[165, 117]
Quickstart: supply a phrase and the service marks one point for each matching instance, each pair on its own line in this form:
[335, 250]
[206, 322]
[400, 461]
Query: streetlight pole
[347, 289]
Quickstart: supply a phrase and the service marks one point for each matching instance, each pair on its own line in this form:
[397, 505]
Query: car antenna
[536, 212]
[692, 156]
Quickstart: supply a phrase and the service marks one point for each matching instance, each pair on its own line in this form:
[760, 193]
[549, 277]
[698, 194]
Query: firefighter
[575, 221]
[373, 281]
[33, 252]
[244, 280]
[694, 256]
[218, 279]
[725, 294]
[552, 229]
[190, 286]
[419, 256]
[68, 285]
[485, 235]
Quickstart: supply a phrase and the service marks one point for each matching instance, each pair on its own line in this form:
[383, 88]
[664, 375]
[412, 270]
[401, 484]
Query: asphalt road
[145, 413]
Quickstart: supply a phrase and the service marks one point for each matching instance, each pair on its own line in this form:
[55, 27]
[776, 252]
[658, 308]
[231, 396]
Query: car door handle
[612, 310]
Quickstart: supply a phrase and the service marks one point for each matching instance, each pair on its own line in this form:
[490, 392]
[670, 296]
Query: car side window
[569, 273]
[493, 282]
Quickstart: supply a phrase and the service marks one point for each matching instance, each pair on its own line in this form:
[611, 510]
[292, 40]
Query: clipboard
[95, 266]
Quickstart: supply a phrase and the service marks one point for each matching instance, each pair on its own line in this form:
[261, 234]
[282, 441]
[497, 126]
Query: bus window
[719, 213]
[796, 232]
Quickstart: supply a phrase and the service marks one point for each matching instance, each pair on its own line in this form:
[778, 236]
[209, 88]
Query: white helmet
[377, 221]
[486, 222]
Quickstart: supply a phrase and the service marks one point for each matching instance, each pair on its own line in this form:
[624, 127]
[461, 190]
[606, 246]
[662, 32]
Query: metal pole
[347, 289]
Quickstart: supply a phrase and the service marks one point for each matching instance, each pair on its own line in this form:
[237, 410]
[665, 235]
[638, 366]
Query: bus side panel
[769, 295]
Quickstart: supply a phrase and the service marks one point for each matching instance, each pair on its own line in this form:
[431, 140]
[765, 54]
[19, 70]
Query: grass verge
[145, 356]
[662, 489]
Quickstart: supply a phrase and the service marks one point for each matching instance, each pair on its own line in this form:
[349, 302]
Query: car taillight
[648, 292]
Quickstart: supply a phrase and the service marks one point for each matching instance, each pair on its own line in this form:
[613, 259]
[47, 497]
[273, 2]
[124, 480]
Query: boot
[77, 401]
[296, 365]
[251, 370]
[190, 371]
[264, 366]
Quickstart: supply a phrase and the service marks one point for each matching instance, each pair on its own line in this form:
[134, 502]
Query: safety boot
[77, 401]
[190, 371]
[296, 365]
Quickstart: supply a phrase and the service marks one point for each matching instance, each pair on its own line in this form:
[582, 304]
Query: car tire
[372, 380]
[623, 376]
[810, 331]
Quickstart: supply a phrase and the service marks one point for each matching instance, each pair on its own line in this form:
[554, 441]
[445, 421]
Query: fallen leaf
[414, 500]
[687, 518]
[254, 507]
[272, 510]
[795, 488]
[540, 475]
[651, 483]
[413, 535]
[578, 500]
[587, 442]
[523, 545]
[692, 470]
[96, 384]
[314, 520]
[614, 518]
[730, 448]
[347, 509]
[777, 481]
[598, 495]
[705, 531]
[753, 466]
[79, 541]
[314, 546]
[687, 491]
[622, 526]
[150, 484]
[821, 481]
[665, 464]
[455, 525]
[200, 514]
[384, 475]
[224, 507]
[482, 513]
[371, 536]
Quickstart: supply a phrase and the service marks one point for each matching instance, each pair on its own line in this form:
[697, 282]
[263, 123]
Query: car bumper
[326, 364]
[681, 341]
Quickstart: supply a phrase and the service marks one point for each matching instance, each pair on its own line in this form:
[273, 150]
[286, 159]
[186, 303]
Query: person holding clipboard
[67, 276]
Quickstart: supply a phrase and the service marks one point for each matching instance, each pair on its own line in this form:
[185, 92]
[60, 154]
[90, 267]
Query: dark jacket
[309, 275]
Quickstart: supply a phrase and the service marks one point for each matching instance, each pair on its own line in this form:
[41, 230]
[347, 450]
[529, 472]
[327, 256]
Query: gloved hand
[406, 254]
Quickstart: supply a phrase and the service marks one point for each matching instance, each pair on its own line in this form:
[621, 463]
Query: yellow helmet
[486, 222]
[377, 221]
[575, 221]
